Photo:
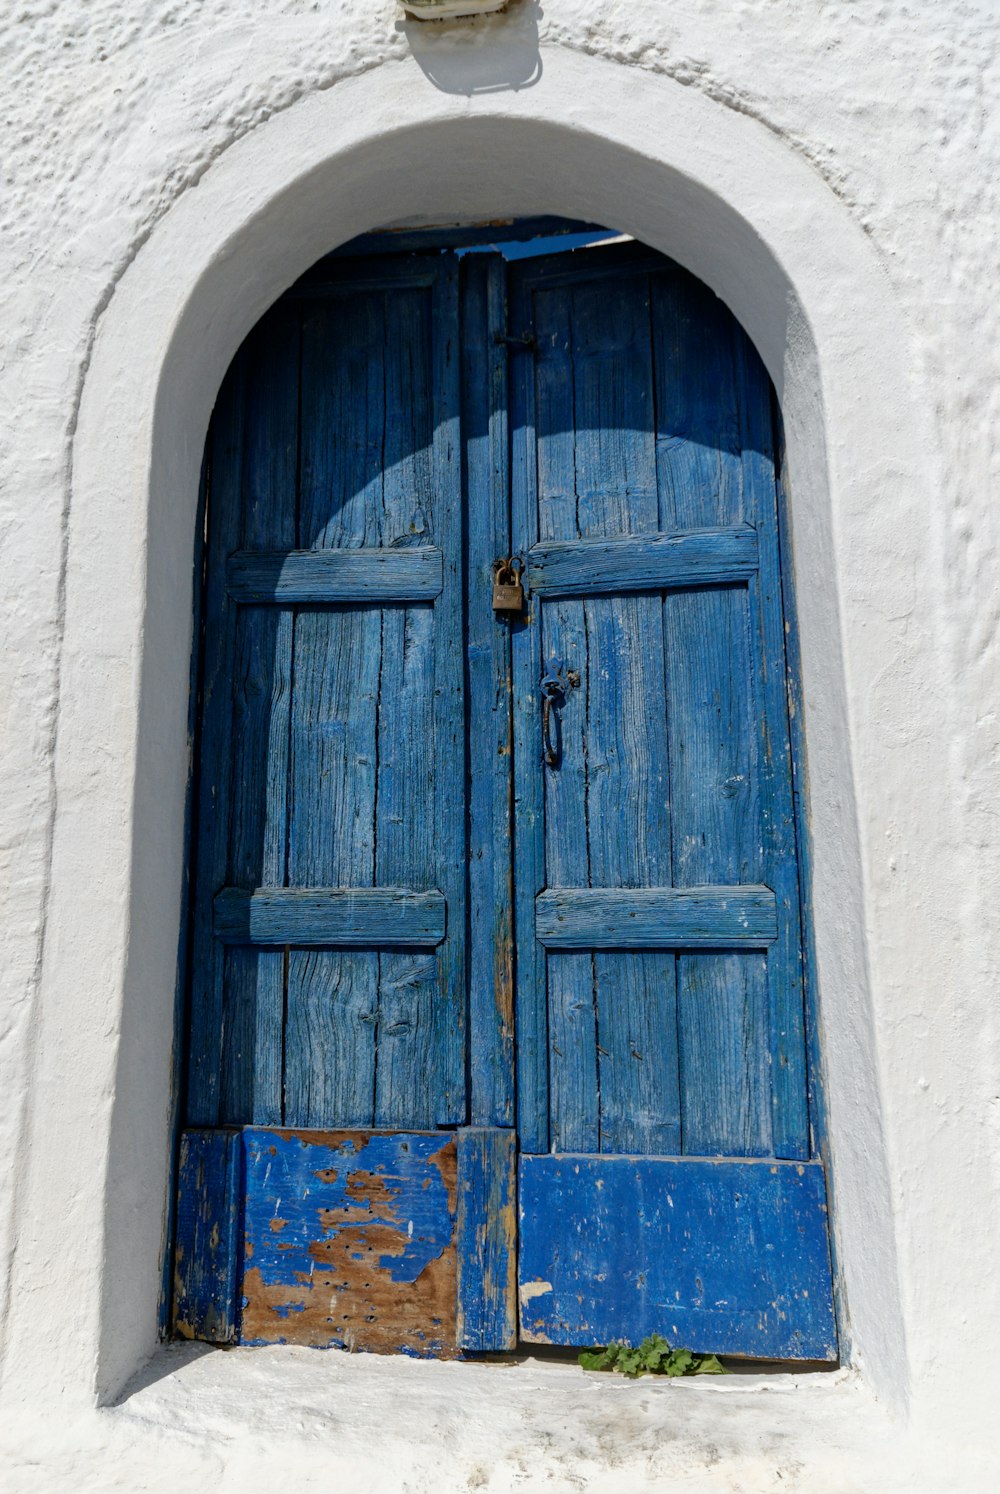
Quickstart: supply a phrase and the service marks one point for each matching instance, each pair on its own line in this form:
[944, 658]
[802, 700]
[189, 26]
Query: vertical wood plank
[212, 796]
[253, 1017]
[785, 994]
[333, 994]
[613, 1061]
[487, 1240]
[628, 813]
[714, 759]
[182, 986]
[206, 1251]
[569, 991]
[529, 823]
[405, 830]
[815, 1081]
[488, 674]
[449, 696]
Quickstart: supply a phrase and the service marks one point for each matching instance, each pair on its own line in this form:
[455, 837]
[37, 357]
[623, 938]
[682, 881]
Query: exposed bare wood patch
[362, 1254]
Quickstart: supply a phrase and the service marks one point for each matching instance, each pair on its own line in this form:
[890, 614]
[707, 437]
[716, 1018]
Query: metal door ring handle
[555, 684]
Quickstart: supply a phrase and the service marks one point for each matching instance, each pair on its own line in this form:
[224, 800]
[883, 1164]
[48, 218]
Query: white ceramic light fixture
[444, 10]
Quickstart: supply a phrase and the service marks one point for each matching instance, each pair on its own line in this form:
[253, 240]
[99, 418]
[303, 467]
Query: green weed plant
[653, 1356]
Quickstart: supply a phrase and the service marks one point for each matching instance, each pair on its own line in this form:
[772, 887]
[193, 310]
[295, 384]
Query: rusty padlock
[508, 593]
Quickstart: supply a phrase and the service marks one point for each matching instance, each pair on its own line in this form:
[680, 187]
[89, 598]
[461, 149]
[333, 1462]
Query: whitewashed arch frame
[591, 140]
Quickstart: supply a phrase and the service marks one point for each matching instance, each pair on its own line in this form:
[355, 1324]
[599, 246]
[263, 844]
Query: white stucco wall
[833, 170]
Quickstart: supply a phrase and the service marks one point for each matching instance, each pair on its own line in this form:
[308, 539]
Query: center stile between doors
[497, 1026]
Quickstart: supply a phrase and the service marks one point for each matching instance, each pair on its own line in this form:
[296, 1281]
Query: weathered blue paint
[487, 649]
[656, 918]
[371, 732]
[309, 1182]
[349, 1240]
[298, 576]
[639, 439]
[330, 915]
[331, 802]
[487, 1239]
[206, 1249]
[646, 562]
[398, 1241]
[644, 463]
[725, 1257]
[447, 764]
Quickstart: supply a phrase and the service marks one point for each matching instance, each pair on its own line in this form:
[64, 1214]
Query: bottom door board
[384, 1241]
[721, 1256]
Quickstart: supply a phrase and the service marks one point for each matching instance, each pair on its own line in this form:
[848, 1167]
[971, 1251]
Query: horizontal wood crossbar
[407, 575]
[354, 917]
[643, 562]
[656, 918]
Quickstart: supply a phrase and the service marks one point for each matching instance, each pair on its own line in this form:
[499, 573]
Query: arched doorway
[497, 905]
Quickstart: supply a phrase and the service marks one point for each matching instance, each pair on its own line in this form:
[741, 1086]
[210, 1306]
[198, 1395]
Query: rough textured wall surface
[111, 111]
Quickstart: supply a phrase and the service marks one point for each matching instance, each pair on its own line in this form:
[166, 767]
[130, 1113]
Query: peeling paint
[532, 1289]
[366, 1256]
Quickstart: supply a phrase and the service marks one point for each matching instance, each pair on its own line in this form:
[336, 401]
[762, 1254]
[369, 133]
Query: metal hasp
[508, 592]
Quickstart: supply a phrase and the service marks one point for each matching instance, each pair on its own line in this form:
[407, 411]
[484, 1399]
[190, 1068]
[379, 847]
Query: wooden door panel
[330, 900]
[645, 500]
[372, 730]
[719, 1256]
[660, 1014]
[487, 660]
[388, 1241]
[237, 996]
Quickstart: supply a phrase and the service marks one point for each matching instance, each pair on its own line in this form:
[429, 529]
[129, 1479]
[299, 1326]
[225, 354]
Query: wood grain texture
[487, 1239]
[350, 1240]
[655, 917]
[363, 1026]
[784, 973]
[531, 1006]
[253, 1012]
[211, 853]
[647, 562]
[409, 990]
[488, 674]
[723, 1257]
[318, 576]
[449, 762]
[332, 1000]
[207, 1236]
[566, 990]
[365, 917]
[613, 1065]
[371, 733]
[628, 791]
[235, 1071]
[609, 388]
[714, 721]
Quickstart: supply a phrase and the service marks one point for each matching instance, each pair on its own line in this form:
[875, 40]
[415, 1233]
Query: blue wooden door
[667, 1178]
[467, 882]
[331, 1190]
